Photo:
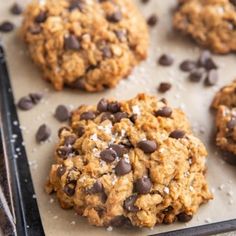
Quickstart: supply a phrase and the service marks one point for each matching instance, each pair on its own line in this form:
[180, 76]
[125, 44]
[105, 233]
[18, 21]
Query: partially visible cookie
[212, 23]
[85, 44]
[133, 162]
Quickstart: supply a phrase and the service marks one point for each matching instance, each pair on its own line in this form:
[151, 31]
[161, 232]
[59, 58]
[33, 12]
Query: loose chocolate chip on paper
[102, 105]
[43, 133]
[61, 170]
[16, 9]
[129, 203]
[108, 155]
[196, 75]
[188, 65]
[6, 26]
[96, 188]
[88, 115]
[212, 78]
[62, 113]
[148, 146]
[143, 185]
[41, 17]
[122, 167]
[152, 20]
[166, 60]
[177, 134]
[71, 42]
[25, 103]
[115, 17]
[183, 217]
[164, 87]
[164, 112]
[36, 97]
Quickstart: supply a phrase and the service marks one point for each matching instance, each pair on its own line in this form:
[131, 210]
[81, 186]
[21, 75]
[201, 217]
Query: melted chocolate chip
[119, 116]
[96, 188]
[88, 115]
[122, 167]
[147, 146]
[62, 113]
[115, 17]
[183, 217]
[6, 27]
[41, 17]
[108, 155]
[143, 185]
[166, 60]
[102, 105]
[72, 43]
[43, 133]
[177, 134]
[61, 170]
[188, 65]
[164, 112]
[119, 149]
[129, 203]
[164, 87]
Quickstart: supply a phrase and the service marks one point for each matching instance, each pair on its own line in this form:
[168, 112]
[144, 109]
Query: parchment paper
[193, 98]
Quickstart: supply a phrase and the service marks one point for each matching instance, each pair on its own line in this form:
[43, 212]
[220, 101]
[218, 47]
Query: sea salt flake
[166, 190]
[136, 110]
[94, 137]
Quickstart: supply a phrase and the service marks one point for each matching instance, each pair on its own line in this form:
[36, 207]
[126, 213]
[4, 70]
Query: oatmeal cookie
[85, 44]
[134, 162]
[212, 23]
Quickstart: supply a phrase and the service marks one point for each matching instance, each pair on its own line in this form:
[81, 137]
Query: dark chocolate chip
[64, 152]
[96, 188]
[188, 65]
[205, 55]
[233, 2]
[108, 155]
[212, 78]
[69, 140]
[164, 112]
[119, 116]
[114, 107]
[143, 185]
[76, 4]
[41, 17]
[106, 52]
[71, 42]
[6, 26]
[61, 170]
[148, 146]
[152, 20]
[118, 221]
[183, 217]
[88, 115]
[36, 97]
[80, 131]
[35, 29]
[196, 75]
[119, 149]
[122, 167]
[61, 129]
[133, 118]
[115, 17]
[121, 35]
[102, 105]
[107, 116]
[78, 84]
[210, 64]
[231, 124]
[62, 113]
[177, 134]
[69, 190]
[166, 60]
[25, 103]
[129, 203]
[43, 133]
[164, 87]
[16, 9]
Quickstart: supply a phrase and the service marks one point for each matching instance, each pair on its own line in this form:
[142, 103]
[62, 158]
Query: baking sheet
[193, 98]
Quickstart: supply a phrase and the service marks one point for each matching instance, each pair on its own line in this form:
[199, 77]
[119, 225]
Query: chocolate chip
[233, 2]
[166, 60]
[143, 185]
[36, 97]
[129, 203]
[183, 217]
[76, 4]
[35, 29]
[152, 20]
[121, 35]
[62, 113]
[61, 170]
[106, 52]
[69, 140]
[164, 87]
[69, 190]
[62, 129]
[231, 124]
[80, 131]
[108, 155]
[164, 112]
[88, 115]
[78, 84]
[210, 64]
[148, 146]
[212, 78]
[114, 107]
[122, 167]
[205, 55]
[102, 105]
[64, 152]
[41, 17]
[71, 42]
[119, 149]
[127, 143]
[145, 1]
[118, 221]
[96, 188]
[115, 17]
[177, 134]
[16, 9]
[43, 133]
[25, 103]
[107, 116]
[133, 118]
[188, 65]
[196, 75]
[6, 26]
[119, 116]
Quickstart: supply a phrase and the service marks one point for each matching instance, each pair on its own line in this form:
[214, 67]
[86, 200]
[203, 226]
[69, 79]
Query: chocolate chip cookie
[210, 23]
[85, 44]
[134, 162]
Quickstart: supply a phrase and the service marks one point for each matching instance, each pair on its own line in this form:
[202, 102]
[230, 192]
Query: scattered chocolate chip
[118, 221]
[133, 118]
[212, 78]
[233, 2]
[164, 112]
[69, 189]
[36, 97]
[35, 29]
[115, 17]
[102, 105]
[25, 103]
[106, 52]
[122, 167]
[78, 84]
[129, 203]
[119, 149]
[108, 155]
[43, 133]
[6, 26]
[76, 4]
[41, 17]
[188, 65]
[152, 20]
[148, 146]
[71, 42]
[62, 129]
[89, 115]
[177, 134]
[16, 9]
[107, 116]
[61, 170]
[80, 131]
[204, 56]
[69, 140]
[62, 113]
[114, 107]
[96, 188]
[196, 75]
[119, 116]
[64, 152]
[183, 217]
[164, 87]
[166, 60]
[143, 185]
[210, 64]
[231, 124]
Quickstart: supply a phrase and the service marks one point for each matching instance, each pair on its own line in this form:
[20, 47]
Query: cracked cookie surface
[85, 44]
[212, 23]
[134, 162]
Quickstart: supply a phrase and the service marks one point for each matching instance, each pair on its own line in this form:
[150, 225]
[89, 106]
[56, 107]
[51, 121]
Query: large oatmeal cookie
[85, 44]
[135, 161]
[212, 23]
